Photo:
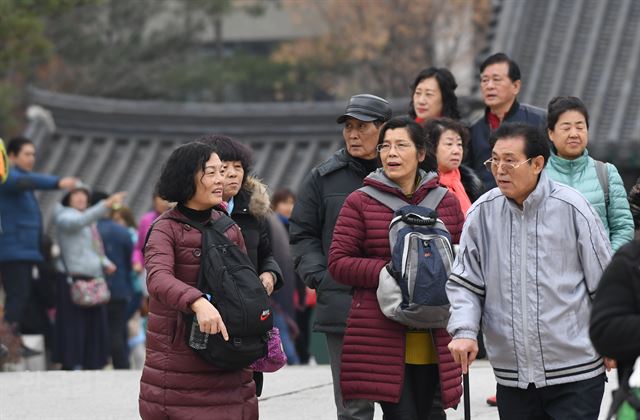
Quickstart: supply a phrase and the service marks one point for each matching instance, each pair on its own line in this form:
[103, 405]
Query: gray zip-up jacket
[76, 240]
[530, 274]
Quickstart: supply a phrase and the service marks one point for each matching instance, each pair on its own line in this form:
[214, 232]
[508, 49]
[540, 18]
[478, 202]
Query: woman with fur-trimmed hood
[248, 204]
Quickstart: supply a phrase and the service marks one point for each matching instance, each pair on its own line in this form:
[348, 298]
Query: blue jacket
[118, 247]
[20, 218]
[580, 173]
[479, 149]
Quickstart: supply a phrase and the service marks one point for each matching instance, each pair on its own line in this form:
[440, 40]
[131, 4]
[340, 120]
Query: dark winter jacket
[176, 383]
[471, 182]
[615, 318]
[250, 209]
[118, 248]
[20, 218]
[479, 149]
[373, 354]
[319, 201]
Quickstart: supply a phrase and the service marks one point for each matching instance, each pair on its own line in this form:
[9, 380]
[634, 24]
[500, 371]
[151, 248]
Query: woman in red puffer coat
[176, 383]
[382, 360]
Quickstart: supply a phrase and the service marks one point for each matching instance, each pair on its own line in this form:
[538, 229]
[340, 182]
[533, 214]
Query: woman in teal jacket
[570, 164]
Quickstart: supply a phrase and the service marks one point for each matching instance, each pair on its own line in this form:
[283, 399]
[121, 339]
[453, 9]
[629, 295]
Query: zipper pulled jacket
[581, 174]
[531, 274]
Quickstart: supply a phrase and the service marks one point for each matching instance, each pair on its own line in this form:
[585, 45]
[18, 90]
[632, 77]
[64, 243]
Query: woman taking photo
[433, 95]
[570, 164]
[176, 383]
[81, 333]
[400, 368]
[448, 140]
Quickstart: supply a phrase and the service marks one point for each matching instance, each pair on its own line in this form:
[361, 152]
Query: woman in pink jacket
[382, 360]
[176, 383]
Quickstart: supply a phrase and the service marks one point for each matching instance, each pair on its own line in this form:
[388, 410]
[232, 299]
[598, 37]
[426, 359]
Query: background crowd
[96, 235]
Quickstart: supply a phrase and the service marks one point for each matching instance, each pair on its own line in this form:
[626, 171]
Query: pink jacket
[145, 223]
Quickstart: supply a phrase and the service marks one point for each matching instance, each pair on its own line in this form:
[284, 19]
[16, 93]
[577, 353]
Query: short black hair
[514, 70]
[435, 127]
[535, 141]
[15, 145]
[176, 183]
[561, 104]
[230, 150]
[417, 136]
[66, 199]
[447, 84]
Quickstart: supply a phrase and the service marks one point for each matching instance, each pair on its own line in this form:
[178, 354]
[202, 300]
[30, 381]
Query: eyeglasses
[492, 164]
[386, 147]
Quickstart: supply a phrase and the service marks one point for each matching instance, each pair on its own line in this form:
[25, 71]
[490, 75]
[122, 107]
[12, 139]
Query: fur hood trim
[259, 203]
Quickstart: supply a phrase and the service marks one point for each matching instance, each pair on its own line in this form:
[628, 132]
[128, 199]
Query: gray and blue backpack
[411, 288]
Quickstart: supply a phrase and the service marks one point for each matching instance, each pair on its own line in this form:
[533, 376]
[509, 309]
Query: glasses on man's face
[400, 147]
[508, 165]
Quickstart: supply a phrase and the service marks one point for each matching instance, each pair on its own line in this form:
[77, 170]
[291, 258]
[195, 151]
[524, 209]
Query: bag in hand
[88, 293]
[275, 358]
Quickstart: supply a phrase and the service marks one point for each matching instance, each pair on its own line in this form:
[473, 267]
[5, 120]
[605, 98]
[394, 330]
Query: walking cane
[467, 404]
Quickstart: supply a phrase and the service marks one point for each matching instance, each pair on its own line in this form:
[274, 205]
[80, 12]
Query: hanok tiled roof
[584, 48]
[115, 145]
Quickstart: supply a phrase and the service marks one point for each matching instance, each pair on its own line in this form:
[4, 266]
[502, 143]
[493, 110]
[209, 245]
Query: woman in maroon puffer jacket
[381, 360]
[176, 383]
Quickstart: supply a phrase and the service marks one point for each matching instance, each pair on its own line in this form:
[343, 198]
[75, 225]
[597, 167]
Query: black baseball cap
[366, 107]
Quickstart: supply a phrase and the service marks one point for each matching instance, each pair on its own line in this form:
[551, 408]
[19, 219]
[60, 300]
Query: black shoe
[27, 352]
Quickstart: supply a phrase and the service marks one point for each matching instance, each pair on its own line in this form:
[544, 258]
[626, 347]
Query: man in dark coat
[320, 199]
[21, 227]
[500, 84]
[615, 317]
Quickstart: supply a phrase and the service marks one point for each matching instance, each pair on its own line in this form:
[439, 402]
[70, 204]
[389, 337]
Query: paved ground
[294, 393]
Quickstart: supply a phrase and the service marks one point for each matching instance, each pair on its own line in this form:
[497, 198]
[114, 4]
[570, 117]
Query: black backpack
[228, 276]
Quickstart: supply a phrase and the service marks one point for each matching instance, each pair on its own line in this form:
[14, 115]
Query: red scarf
[493, 120]
[452, 181]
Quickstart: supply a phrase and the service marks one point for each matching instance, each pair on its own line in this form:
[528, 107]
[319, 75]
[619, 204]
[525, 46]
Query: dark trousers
[418, 390]
[117, 321]
[575, 400]
[303, 319]
[16, 279]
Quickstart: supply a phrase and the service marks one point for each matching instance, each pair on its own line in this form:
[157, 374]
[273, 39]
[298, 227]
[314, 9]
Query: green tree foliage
[155, 49]
[23, 46]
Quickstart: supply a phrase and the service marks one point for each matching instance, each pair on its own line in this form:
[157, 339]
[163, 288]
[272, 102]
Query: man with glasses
[314, 216]
[531, 255]
[500, 84]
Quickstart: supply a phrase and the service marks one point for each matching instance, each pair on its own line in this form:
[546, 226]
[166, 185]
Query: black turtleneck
[367, 165]
[199, 216]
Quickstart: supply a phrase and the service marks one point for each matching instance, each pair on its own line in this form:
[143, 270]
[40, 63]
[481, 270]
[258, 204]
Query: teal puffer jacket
[580, 173]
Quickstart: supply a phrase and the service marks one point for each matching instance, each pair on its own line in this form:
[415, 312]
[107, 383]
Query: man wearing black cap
[314, 216]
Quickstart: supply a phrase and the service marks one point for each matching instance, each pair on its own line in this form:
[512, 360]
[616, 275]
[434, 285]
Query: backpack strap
[431, 200]
[389, 200]
[223, 223]
[603, 178]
